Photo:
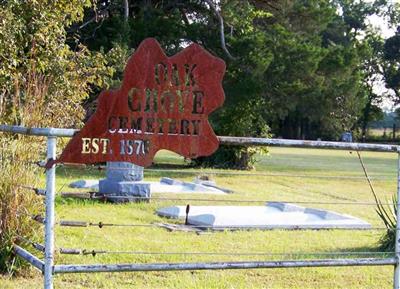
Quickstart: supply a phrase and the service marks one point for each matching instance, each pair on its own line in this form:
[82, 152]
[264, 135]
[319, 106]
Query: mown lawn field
[286, 174]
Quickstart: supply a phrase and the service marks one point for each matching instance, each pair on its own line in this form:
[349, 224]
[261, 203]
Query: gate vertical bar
[396, 282]
[49, 219]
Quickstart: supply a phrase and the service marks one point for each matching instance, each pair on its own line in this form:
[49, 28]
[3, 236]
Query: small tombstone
[163, 103]
[123, 179]
[347, 137]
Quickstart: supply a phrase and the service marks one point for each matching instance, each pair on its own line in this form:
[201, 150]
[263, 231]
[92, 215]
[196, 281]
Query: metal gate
[49, 269]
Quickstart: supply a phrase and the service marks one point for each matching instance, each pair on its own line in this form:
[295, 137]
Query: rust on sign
[163, 103]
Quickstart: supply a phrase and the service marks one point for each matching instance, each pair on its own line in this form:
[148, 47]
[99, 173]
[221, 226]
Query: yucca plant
[388, 215]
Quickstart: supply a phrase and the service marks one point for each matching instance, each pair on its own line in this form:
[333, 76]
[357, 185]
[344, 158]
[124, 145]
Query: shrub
[17, 204]
[43, 82]
[231, 157]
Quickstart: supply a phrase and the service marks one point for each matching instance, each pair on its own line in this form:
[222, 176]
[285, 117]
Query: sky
[379, 87]
[380, 23]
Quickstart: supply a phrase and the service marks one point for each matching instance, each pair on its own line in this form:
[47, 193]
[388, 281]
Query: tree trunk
[126, 9]
[365, 120]
[394, 132]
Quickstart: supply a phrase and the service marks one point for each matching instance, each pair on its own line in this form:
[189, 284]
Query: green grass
[290, 175]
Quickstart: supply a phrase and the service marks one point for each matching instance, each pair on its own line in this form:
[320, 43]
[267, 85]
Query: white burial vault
[271, 216]
[165, 185]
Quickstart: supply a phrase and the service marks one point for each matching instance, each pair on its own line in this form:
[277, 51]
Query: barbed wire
[23, 161]
[93, 252]
[37, 191]
[65, 182]
[176, 226]
[97, 196]
[86, 252]
[200, 228]
[233, 173]
[39, 247]
[34, 217]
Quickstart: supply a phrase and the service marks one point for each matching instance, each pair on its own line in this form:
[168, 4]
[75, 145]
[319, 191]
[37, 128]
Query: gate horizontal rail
[226, 140]
[223, 265]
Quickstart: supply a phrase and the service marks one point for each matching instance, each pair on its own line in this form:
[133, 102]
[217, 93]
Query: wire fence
[218, 172]
[21, 161]
[303, 258]
[93, 252]
[96, 196]
[183, 227]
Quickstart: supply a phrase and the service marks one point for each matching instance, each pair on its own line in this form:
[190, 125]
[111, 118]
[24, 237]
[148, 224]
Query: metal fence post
[396, 283]
[49, 219]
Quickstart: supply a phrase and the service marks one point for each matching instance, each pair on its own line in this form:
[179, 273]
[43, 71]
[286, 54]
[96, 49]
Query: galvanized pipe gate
[49, 268]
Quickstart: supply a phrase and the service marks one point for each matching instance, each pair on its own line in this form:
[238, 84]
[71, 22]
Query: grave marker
[163, 103]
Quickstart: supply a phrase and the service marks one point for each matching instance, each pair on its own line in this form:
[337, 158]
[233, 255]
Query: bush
[231, 157]
[43, 83]
[17, 204]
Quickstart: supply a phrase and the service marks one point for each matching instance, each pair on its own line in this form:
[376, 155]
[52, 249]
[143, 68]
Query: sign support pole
[49, 219]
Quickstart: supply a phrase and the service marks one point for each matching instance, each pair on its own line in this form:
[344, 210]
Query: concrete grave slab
[85, 184]
[270, 216]
[179, 187]
[166, 185]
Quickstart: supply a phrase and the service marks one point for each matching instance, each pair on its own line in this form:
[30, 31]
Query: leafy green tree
[372, 57]
[373, 72]
[43, 82]
[295, 68]
[306, 86]
[33, 47]
[392, 71]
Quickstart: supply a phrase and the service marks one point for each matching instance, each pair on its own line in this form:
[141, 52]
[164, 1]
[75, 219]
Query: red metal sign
[163, 103]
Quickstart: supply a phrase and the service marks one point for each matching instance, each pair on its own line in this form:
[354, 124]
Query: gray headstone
[124, 179]
[347, 137]
[124, 171]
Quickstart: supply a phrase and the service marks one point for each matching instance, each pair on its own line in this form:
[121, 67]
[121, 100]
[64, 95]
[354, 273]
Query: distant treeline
[389, 119]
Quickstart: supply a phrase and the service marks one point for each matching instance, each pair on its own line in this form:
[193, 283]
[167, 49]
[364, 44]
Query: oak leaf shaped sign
[163, 103]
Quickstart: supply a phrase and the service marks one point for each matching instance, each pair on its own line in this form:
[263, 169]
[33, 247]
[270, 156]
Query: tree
[33, 48]
[43, 82]
[392, 70]
[295, 68]
[319, 81]
[374, 67]
[177, 23]
[311, 83]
